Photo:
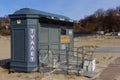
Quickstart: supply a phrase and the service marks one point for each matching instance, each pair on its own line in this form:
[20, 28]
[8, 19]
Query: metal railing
[67, 60]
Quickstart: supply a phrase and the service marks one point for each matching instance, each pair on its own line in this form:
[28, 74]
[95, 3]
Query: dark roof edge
[42, 13]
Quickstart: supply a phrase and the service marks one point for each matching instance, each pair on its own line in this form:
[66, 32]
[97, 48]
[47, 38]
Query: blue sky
[75, 9]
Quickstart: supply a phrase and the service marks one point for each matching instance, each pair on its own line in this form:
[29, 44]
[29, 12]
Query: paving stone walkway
[112, 72]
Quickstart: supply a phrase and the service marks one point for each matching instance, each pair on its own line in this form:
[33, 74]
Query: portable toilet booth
[34, 30]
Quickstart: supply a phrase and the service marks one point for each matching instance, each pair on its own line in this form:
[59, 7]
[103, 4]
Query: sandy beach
[103, 58]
